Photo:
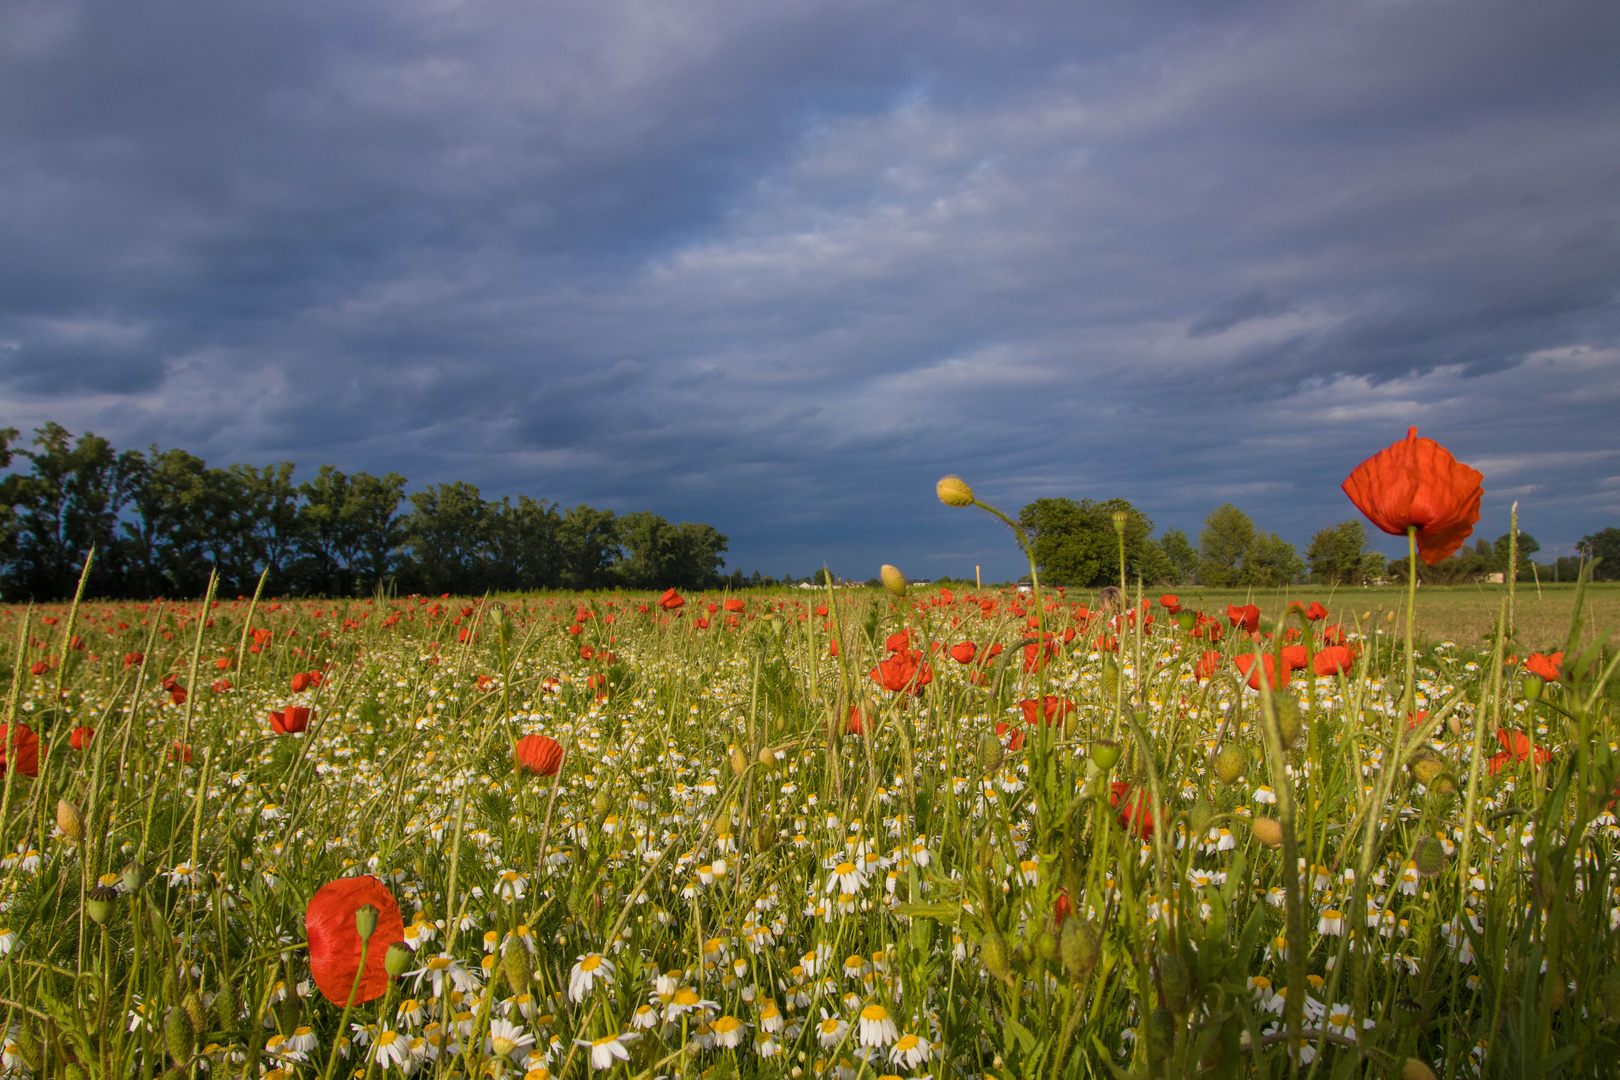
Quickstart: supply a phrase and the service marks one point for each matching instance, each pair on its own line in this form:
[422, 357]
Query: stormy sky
[778, 267]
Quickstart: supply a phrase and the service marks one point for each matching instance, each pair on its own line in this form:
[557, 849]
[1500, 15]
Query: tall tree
[445, 534]
[1336, 554]
[1075, 542]
[1502, 554]
[1181, 555]
[589, 541]
[1604, 545]
[523, 544]
[1227, 536]
[1271, 561]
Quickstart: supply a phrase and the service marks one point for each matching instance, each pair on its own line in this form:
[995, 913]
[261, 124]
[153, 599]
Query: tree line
[1075, 543]
[161, 520]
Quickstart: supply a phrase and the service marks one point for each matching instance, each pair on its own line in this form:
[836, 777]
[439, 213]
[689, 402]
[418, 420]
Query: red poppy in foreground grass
[1335, 660]
[903, 671]
[1517, 747]
[1208, 664]
[1170, 602]
[1137, 815]
[300, 682]
[1417, 482]
[1014, 744]
[1295, 657]
[21, 747]
[1547, 667]
[334, 943]
[538, 754]
[1052, 707]
[856, 722]
[671, 600]
[963, 652]
[735, 604]
[294, 719]
[1247, 616]
[1245, 661]
[79, 737]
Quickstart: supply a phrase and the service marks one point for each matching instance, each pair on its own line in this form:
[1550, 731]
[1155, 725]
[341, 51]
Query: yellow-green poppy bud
[397, 960]
[893, 580]
[1268, 831]
[1120, 518]
[1106, 753]
[1231, 763]
[69, 820]
[954, 491]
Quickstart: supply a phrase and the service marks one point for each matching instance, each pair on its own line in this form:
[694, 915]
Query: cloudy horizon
[778, 268]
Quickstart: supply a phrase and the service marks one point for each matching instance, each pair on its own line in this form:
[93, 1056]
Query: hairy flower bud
[1289, 720]
[893, 580]
[993, 952]
[1120, 518]
[1230, 763]
[1175, 982]
[954, 491]
[989, 753]
[1080, 946]
[397, 960]
[739, 761]
[1268, 831]
[1414, 1069]
[515, 966]
[69, 820]
[179, 1037]
[1430, 856]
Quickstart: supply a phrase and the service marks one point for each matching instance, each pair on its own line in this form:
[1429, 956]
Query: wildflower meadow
[827, 833]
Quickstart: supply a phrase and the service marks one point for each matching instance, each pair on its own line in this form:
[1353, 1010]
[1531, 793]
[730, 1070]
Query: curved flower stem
[348, 1006]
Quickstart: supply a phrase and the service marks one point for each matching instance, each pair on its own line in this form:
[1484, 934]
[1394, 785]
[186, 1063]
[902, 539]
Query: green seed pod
[1430, 856]
[100, 903]
[1045, 945]
[1533, 686]
[1080, 946]
[226, 1010]
[922, 933]
[1425, 765]
[397, 960]
[515, 965]
[161, 937]
[1187, 619]
[994, 954]
[1199, 817]
[195, 1012]
[1175, 983]
[365, 921]
[74, 1071]
[1105, 752]
[134, 876]
[1231, 763]
[29, 1050]
[1290, 722]
[1110, 679]
[990, 753]
[179, 1037]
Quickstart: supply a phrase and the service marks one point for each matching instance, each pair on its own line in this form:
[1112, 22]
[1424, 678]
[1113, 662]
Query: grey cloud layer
[778, 268]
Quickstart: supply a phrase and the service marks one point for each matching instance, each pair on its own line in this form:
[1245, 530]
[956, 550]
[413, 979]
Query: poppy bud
[1414, 1069]
[893, 580]
[993, 952]
[1105, 752]
[1045, 945]
[365, 921]
[1202, 813]
[954, 491]
[1430, 856]
[1533, 685]
[1289, 720]
[739, 761]
[69, 821]
[1175, 982]
[1268, 831]
[989, 753]
[195, 1012]
[1186, 619]
[1080, 947]
[1120, 518]
[226, 1011]
[1110, 679]
[767, 756]
[1161, 1030]
[100, 903]
[133, 877]
[397, 960]
[179, 1037]
[29, 1050]
[1230, 763]
[515, 965]
[74, 1071]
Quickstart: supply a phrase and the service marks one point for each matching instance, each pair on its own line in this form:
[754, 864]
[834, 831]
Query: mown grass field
[799, 834]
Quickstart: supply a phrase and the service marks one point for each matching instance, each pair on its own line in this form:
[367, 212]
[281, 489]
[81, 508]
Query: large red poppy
[1208, 664]
[1517, 747]
[538, 754]
[1294, 657]
[1137, 815]
[334, 943]
[1245, 661]
[1335, 659]
[1548, 667]
[1170, 602]
[903, 671]
[1052, 707]
[963, 652]
[1246, 616]
[23, 747]
[671, 600]
[1416, 482]
[294, 718]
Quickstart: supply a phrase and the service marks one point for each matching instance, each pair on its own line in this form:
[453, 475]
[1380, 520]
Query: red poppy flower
[832, 647]
[1170, 602]
[538, 754]
[1333, 634]
[334, 943]
[21, 747]
[1334, 659]
[1416, 482]
[1245, 661]
[300, 682]
[79, 737]
[1294, 656]
[1208, 664]
[821, 609]
[1036, 656]
[903, 671]
[1316, 612]
[1052, 707]
[963, 652]
[856, 722]
[40, 667]
[899, 640]
[1061, 908]
[1547, 667]
[1137, 815]
[1517, 747]
[1105, 643]
[735, 604]
[294, 719]
[1247, 616]
[177, 751]
[132, 659]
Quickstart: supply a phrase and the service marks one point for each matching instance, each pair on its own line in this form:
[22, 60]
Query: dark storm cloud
[778, 267]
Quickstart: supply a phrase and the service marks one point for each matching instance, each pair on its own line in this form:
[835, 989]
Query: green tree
[1075, 543]
[1181, 555]
[348, 529]
[445, 536]
[701, 550]
[651, 551]
[589, 543]
[1227, 536]
[1501, 551]
[1336, 555]
[1604, 545]
[1271, 561]
[524, 547]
